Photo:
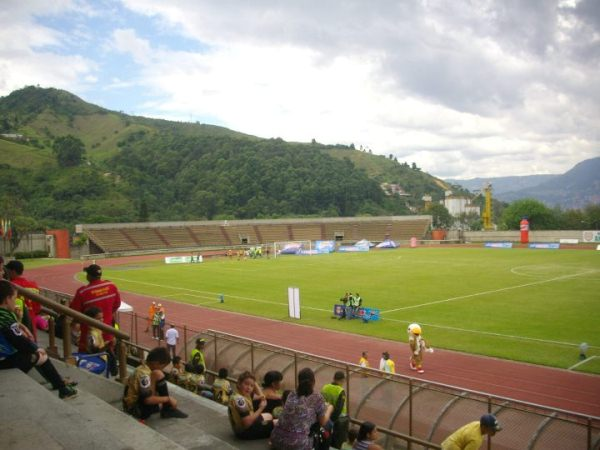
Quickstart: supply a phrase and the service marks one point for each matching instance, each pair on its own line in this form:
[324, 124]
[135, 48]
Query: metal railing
[70, 316]
[410, 413]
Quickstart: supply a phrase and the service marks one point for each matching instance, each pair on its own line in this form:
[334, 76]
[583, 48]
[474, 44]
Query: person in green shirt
[335, 395]
[470, 436]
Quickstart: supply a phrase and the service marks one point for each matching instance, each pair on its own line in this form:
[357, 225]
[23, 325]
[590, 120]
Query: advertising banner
[325, 246]
[498, 245]
[544, 245]
[591, 236]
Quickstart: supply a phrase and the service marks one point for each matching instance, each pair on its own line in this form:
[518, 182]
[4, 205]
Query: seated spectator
[246, 421]
[367, 435]
[352, 435]
[272, 390]
[17, 346]
[222, 387]
[190, 381]
[147, 392]
[96, 343]
[302, 409]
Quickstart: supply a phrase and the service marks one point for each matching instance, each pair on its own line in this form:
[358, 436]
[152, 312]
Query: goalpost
[292, 248]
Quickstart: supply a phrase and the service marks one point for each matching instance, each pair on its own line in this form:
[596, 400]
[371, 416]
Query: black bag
[321, 437]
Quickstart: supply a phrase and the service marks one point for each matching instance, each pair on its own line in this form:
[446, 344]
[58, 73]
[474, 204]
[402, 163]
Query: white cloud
[461, 88]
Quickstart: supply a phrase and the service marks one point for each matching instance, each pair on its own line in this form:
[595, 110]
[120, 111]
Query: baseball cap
[490, 421]
[94, 270]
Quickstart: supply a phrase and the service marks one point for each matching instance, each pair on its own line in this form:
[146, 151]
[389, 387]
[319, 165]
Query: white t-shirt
[171, 336]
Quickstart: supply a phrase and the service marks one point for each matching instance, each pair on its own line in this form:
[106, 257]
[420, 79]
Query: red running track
[556, 388]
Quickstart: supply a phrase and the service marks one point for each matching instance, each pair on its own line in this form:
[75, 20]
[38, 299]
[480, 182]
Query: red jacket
[33, 307]
[101, 294]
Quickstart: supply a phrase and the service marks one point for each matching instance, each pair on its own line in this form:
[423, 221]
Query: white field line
[477, 294]
[582, 362]
[489, 333]
[194, 291]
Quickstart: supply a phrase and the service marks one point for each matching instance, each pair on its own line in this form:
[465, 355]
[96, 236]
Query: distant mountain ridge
[576, 188]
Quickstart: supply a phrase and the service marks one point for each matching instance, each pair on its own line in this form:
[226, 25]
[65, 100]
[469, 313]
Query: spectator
[147, 392]
[388, 366]
[156, 322]
[197, 362]
[382, 362]
[222, 387]
[151, 311]
[302, 409]
[367, 435]
[470, 436]
[190, 381]
[272, 390]
[364, 360]
[96, 343]
[248, 423]
[352, 435]
[161, 323]
[335, 395]
[100, 293]
[3, 274]
[29, 308]
[172, 337]
[18, 349]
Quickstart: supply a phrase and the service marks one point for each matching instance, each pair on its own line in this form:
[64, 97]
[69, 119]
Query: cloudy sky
[464, 88]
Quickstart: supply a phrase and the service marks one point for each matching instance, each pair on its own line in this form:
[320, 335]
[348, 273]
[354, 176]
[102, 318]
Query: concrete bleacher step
[33, 417]
[99, 401]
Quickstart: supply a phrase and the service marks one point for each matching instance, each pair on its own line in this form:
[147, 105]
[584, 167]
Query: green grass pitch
[520, 304]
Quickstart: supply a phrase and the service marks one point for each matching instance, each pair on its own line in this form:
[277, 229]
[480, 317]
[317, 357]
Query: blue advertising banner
[498, 245]
[325, 246]
[545, 245]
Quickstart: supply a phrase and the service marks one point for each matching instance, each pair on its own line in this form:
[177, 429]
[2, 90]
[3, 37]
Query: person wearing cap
[335, 395]
[28, 307]
[471, 435]
[99, 293]
[151, 312]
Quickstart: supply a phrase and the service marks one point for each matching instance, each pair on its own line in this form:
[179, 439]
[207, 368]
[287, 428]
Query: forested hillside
[64, 161]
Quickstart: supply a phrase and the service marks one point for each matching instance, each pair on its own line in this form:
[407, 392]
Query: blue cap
[490, 421]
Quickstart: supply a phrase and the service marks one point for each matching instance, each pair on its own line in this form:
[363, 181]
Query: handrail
[79, 317]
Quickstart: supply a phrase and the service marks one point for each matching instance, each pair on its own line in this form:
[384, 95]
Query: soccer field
[521, 304]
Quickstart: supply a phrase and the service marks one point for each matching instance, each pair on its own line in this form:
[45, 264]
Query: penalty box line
[477, 294]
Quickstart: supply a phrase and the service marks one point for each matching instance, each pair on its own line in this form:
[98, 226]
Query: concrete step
[33, 417]
[207, 426]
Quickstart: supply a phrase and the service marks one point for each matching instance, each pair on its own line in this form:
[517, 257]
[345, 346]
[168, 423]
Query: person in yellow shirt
[388, 366]
[364, 361]
[470, 436]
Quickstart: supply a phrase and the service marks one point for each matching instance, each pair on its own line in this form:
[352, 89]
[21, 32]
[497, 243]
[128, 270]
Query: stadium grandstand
[152, 236]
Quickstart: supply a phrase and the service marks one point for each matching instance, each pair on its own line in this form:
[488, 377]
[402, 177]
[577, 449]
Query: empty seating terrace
[135, 237]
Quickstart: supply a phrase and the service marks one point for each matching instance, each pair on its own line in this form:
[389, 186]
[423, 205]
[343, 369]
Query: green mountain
[136, 168]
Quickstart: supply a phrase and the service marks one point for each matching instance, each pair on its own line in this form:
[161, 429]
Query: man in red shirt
[99, 293]
[15, 271]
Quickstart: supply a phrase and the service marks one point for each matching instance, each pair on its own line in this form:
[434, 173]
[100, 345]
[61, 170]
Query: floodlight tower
[487, 212]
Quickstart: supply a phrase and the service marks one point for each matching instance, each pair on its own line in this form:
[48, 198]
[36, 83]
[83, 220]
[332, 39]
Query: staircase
[34, 417]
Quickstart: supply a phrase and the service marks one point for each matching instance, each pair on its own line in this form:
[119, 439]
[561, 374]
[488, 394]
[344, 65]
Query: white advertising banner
[591, 236]
[294, 302]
